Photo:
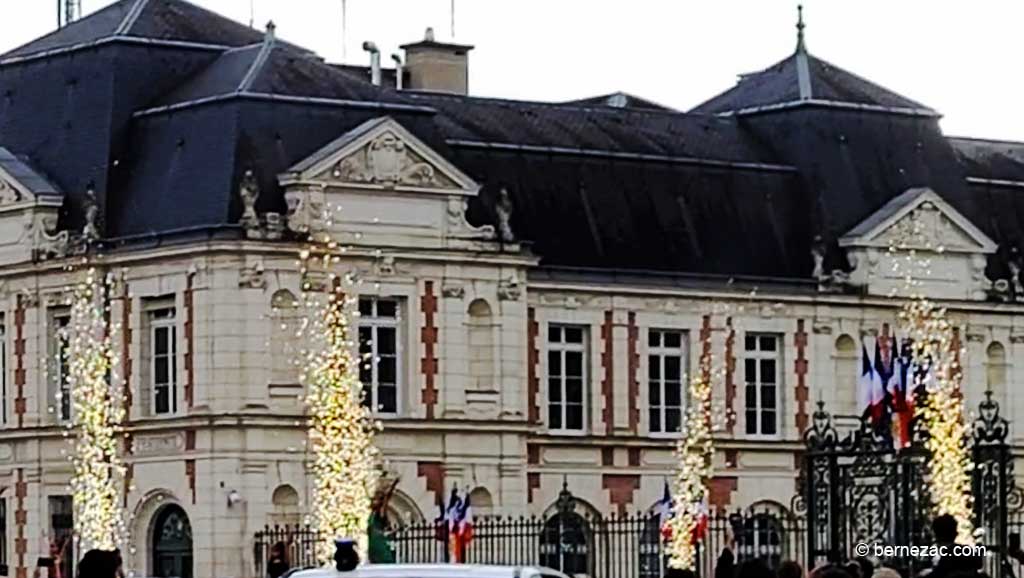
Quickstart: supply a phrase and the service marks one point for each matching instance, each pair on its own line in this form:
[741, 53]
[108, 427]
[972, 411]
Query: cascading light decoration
[346, 464]
[97, 417]
[942, 414]
[695, 452]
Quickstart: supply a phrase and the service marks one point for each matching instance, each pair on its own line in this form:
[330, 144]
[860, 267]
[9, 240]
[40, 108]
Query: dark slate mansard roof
[162, 106]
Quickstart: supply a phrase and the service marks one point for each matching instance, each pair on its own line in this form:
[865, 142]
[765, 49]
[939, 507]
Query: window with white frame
[163, 366]
[762, 372]
[380, 352]
[62, 376]
[666, 375]
[567, 377]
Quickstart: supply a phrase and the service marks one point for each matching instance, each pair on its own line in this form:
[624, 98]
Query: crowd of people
[944, 530]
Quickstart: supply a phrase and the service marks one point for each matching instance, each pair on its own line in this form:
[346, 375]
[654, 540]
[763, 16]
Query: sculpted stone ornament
[458, 226]
[47, 241]
[306, 209]
[510, 289]
[818, 254]
[249, 192]
[91, 230]
[8, 194]
[504, 210]
[453, 291]
[252, 277]
[1014, 264]
[389, 163]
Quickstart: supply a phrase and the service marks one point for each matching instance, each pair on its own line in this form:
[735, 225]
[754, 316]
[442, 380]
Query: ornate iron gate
[856, 488]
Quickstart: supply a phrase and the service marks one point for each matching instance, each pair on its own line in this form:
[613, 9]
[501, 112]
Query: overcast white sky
[961, 58]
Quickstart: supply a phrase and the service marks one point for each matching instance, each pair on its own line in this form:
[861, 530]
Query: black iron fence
[579, 544]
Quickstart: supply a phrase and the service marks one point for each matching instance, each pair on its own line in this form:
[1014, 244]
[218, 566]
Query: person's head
[853, 569]
[277, 550]
[867, 567]
[346, 558]
[885, 572]
[754, 569]
[100, 564]
[830, 571]
[679, 573]
[944, 528]
[790, 569]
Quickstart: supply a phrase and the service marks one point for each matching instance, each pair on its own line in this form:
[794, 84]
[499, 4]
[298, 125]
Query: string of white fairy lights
[936, 346]
[97, 417]
[341, 429]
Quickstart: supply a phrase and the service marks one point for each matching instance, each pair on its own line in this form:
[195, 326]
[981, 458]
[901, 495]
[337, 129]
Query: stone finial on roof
[271, 31]
[800, 47]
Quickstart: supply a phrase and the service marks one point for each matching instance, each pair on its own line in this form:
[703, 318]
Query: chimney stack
[374, 62]
[399, 72]
[437, 66]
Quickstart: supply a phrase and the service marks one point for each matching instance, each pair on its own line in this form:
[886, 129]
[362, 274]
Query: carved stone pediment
[921, 220]
[380, 154]
[949, 252]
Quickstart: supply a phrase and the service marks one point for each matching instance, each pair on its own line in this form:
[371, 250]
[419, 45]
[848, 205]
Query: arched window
[760, 534]
[565, 543]
[172, 543]
[286, 506]
[481, 346]
[845, 379]
[995, 371]
[285, 320]
[482, 502]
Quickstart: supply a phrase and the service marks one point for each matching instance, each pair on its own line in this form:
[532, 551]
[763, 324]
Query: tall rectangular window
[380, 366]
[62, 524]
[567, 377]
[3, 538]
[163, 357]
[666, 377]
[3, 373]
[762, 363]
[61, 343]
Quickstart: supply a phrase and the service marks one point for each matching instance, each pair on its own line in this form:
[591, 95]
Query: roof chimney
[374, 62]
[399, 71]
[437, 66]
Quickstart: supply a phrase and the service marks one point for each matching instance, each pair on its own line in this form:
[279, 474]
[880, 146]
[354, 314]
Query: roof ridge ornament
[803, 70]
[800, 46]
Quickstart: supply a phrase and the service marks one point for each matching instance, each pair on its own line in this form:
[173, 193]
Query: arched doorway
[172, 544]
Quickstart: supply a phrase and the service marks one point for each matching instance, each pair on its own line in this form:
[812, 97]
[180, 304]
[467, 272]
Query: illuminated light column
[97, 418]
[695, 452]
[346, 464]
[942, 415]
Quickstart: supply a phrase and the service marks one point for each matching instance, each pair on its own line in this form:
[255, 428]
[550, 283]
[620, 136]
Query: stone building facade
[519, 341]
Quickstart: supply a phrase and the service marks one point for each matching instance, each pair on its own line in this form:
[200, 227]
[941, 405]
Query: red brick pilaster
[190, 473]
[532, 358]
[428, 335]
[620, 489]
[608, 381]
[433, 473]
[633, 362]
[730, 377]
[720, 489]
[20, 519]
[126, 351]
[532, 454]
[705, 350]
[532, 485]
[800, 367]
[190, 344]
[19, 362]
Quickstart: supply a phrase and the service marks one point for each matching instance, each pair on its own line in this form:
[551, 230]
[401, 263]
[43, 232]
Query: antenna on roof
[344, 26]
[252, 13]
[453, 19]
[68, 11]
